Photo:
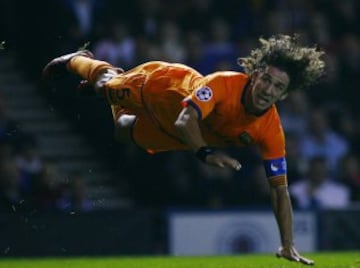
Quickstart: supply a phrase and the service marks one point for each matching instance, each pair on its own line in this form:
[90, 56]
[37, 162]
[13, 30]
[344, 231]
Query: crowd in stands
[30, 183]
[321, 124]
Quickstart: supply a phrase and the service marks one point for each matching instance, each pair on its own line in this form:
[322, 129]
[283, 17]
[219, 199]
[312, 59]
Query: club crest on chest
[245, 138]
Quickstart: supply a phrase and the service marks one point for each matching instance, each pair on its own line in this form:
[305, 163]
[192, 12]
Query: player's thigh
[123, 123]
[152, 138]
[141, 130]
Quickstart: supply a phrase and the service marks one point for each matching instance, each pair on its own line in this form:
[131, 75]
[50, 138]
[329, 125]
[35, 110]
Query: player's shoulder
[271, 119]
[272, 113]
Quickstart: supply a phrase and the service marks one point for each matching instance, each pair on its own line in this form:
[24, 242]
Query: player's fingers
[279, 254]
[219, 164]
[231, 162]
[214, 160]
[236, 165]
[222, 160]
[295, 258]
[306, 261]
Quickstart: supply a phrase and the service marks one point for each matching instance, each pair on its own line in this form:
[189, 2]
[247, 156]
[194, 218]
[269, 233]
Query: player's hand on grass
[222, 160]
[291, 254]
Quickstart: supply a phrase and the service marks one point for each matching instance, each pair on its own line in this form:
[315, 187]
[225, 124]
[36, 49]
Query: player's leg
[141, 130]
[93, 72]
[123, 123]
[56, 68]
[117, 87]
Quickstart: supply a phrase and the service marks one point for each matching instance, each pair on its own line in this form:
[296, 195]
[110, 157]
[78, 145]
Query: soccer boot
[56, 68]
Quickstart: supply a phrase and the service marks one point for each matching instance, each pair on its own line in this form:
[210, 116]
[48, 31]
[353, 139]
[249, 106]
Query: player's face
[269, 86]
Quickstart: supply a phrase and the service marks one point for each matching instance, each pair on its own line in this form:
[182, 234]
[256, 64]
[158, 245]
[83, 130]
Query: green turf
[322, 260]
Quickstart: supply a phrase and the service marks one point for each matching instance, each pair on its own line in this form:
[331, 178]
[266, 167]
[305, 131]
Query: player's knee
[123, 128]
[104, 76]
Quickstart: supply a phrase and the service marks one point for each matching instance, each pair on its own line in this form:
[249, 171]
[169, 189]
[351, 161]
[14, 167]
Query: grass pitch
[322, 260]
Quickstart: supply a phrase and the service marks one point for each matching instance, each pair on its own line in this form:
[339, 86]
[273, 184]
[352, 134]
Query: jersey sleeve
[205, 97]
[272, 147]
[272, 142]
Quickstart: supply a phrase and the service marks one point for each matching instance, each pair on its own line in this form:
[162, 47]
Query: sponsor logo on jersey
[203, 94]
[245, 138]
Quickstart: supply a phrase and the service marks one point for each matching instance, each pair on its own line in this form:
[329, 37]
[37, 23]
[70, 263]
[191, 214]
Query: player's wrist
[203, 152]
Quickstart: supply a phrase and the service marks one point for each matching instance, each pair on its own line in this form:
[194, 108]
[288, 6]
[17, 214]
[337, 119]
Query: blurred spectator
[349, 58]
[171, 45]
[11, 196]
[257, 193]
[118, 48]
[349, 173]
[322, 140]
[343, 16]
[48, 188]
[29, 162]
[83, 14]
[183, 181]
[245, 19]
[6, 149]
[147, 17]
[296, 164]
[318, 189]
[9, 129]
[319, 27]
[215, 185]
[219, 48]
[346, 124]
[294, 112]
[199, 11]
[75, 198]
[330, 83]
[194, 49]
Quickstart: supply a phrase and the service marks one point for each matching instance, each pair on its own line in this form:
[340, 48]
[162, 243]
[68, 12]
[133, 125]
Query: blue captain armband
[275, 167]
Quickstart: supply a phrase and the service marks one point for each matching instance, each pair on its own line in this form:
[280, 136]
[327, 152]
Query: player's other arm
[284, 215]
[281, 203]
[273, 153]
[189, 130]
[188, 127]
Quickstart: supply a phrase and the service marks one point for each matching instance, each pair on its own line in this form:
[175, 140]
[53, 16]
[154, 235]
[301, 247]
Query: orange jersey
[225, 121]
[157, 92]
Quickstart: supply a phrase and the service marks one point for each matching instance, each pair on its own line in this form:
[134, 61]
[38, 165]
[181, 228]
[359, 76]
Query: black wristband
[203, 152]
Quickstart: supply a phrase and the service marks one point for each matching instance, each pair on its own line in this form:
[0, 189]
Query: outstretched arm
[284, 216]
[188, 127]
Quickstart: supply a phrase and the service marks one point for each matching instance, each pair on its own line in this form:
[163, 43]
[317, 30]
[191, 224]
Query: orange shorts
[147, 134]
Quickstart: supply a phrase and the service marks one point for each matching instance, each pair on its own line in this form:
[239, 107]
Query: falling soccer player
[169, 106]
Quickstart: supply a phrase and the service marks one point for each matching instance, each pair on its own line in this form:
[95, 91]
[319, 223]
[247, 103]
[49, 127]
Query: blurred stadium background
[68, 189]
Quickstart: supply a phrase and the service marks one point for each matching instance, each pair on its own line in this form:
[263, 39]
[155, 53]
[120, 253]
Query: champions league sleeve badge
[204, 94]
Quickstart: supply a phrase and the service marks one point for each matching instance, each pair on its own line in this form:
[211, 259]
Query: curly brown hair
[302, 64]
